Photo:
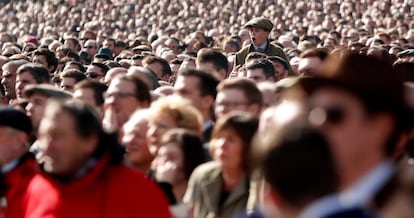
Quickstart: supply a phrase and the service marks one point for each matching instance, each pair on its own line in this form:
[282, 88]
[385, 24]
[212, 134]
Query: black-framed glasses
[137, 57]
[89, 46]
[93, 75]
[323, 115]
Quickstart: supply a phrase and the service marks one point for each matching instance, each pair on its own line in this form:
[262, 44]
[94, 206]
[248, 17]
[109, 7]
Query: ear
[222, 74]
[208, 101]
[254, 109]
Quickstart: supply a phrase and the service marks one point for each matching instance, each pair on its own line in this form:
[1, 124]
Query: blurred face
[90, 47]
[109, 44]
[188, 88]
[120, 96]
[9, 81]
[257, 75]
[22, 80]
[227, 150]
[134, 139]
[309, 66]
[171, 154]
[35, 109]
[94, 73]
[157, 126]
[66, 152]
[229, 100]
[67, 83]
[40, 59]
[258, 35]
[11, 144]
[86, 95]
[352, 134]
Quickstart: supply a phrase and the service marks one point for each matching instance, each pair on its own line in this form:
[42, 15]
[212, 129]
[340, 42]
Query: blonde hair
[180, 110]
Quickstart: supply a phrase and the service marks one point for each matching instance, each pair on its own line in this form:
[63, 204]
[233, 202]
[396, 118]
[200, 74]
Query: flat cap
[15, 119]
[260, 22]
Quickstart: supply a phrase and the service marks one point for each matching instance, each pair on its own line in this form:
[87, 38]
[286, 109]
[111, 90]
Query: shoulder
[244, 50]
[354, 213]
[207, 170]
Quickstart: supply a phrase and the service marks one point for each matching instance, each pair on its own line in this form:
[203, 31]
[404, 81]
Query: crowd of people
[264, 108]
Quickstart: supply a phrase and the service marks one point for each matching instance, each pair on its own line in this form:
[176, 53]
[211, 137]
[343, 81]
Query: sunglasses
[88, 46]
[93, 75]
[324, 115]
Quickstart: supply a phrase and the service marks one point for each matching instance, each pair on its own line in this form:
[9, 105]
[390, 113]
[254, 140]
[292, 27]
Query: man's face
[121, 97]
[11, 144]
[94, 73]
[353, 135]
[66, 152]
[67, 83]
[70, 44]
[35, 109]
[22, 80]
[229, 100]
[280, 70]
[188, 87]
[309, 66]
[157, 69]
[9, 81]
[134, 139]
[40, 59]
[209, 68]
[257, 75]
[258, 35]
[109, 44]
[90, 47]
[86, 95]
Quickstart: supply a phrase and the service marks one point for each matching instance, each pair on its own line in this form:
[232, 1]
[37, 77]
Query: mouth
[253, 39]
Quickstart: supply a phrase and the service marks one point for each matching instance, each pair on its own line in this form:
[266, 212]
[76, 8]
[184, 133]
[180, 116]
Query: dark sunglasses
[323, 115]
[88, 46]
[93, 75]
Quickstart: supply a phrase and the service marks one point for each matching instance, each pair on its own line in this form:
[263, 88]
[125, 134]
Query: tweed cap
[260, 22]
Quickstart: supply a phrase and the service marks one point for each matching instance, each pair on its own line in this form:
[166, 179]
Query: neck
[232, 178]
[143, 167]
[179, 190]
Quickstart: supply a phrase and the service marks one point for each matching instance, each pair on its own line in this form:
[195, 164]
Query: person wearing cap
[359, 104]
[281, 67]
[103, 54]
[17, 164]
[83, 173]
[259, 30]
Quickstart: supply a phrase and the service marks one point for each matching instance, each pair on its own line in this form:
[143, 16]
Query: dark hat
[46, 90]
[15, 118]
[374, 81]
[280, 60]
[260, 22]
[406, 53]
[85, 55]
[104, 53]
[142, 48]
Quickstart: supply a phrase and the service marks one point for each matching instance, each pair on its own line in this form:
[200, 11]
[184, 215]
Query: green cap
[260, 22]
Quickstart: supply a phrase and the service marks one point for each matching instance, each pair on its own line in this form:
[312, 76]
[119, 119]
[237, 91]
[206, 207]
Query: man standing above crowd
[259, 30]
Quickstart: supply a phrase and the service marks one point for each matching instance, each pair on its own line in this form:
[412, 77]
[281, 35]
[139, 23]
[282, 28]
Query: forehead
[94, 68]
[57, 120]
[187, 82]
[333, 95]
[231, 94]
[25, 75]
[121, 85]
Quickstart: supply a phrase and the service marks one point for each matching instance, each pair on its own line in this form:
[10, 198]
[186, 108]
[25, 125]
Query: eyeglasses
[232, 104]
[93, 75]
[118, 95]
[322, 115]
[89, 46]
[137, 57]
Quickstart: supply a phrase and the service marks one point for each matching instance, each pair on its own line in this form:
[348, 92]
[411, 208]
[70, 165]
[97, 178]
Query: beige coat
[204, 190]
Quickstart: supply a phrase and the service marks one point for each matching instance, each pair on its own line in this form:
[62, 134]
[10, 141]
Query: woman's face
[228, 149]
[171, 156]
[157, 126]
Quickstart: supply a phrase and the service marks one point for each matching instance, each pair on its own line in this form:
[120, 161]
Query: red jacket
[105, 191]
[17, 181]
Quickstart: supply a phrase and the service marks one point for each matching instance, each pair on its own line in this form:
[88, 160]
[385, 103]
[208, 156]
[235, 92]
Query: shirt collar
[262, 46]
[9, 166]
[365, 189]
[207, 124]
[322, 207]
